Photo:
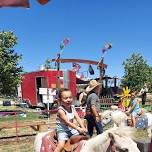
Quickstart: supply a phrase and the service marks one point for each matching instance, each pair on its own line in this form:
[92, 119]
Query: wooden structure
[100, 64]
[33, 81]
[35, 125]
[106, 102]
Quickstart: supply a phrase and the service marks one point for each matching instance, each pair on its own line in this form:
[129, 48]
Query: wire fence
[18, 128]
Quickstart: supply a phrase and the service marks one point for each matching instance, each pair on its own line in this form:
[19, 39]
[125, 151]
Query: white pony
[101, 142]
[119, 118]
[121, 139]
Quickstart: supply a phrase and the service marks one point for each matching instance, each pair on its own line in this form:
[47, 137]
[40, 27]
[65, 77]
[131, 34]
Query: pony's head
[122, 143]
[119, 118]
[111, 140]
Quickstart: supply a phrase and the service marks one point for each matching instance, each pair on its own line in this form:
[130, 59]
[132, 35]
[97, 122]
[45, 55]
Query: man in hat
[143, 93]
[93, 108]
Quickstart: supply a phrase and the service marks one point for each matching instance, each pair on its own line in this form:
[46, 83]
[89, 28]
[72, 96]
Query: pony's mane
[94, 144]
[101, 142]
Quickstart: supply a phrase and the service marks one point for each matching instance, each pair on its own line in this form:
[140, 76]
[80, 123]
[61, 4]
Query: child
[134, 108]
[66, 128]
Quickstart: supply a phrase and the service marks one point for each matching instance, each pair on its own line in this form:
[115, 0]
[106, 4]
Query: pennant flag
[64, 43]
[14, 3]
[76, 67]
[81, 76]
[43, 2]
[91, 71]
[106, 47]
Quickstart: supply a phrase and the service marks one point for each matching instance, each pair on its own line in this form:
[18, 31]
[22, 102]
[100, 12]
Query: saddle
[141, 121]
[49, 143]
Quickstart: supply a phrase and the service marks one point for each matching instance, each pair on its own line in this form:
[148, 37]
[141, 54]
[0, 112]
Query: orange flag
[14, 3]
[43, 2]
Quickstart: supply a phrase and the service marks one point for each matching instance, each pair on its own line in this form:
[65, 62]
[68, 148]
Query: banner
[14, 3]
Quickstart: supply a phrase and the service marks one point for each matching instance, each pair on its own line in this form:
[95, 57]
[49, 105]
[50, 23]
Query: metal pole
[58, 70]
[101, 68]
[48, 107]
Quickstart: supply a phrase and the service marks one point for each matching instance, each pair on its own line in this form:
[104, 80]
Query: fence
[107, 101]
[12, 123]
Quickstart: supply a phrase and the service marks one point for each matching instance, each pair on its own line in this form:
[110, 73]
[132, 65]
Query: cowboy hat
[92, 84]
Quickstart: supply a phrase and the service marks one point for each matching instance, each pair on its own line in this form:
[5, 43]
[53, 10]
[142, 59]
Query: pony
[111, 140]
[119, 118]
[120, 138]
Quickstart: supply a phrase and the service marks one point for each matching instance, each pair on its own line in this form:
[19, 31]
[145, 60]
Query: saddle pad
[142, 122]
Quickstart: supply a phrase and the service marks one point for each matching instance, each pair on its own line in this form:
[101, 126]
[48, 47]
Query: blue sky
[89, 24]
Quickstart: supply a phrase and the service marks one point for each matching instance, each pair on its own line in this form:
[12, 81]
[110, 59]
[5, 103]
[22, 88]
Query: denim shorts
[135, 113]
[65, 135]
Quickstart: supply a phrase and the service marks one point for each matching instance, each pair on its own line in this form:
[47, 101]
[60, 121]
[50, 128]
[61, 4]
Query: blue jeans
[91, 123]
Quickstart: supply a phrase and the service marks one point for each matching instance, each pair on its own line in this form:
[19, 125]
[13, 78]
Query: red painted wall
[72, 85]
[28, 84]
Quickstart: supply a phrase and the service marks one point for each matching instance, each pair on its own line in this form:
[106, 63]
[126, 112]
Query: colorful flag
[64, 43]
[76, 67]
[106, 47]
[61, 46]
[91, 71]
[81, 76]
[14, 3]
[43, 2]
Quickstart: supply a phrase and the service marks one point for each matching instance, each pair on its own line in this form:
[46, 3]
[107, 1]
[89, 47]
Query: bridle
[113, 147]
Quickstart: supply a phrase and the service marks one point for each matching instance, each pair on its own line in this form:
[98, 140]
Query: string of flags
[20, 3]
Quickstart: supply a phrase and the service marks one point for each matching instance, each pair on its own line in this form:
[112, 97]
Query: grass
[24, 144]
[20, 118]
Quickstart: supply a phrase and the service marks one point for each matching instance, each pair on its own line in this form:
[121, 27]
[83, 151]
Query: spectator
[82, 97]
[143, 93]
[93, 108]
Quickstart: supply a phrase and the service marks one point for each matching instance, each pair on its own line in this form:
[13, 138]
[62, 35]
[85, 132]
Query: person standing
[143, 93]
[93, 108]
[82, 98]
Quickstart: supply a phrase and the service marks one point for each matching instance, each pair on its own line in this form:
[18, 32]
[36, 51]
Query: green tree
[10, 71]
[137, 72]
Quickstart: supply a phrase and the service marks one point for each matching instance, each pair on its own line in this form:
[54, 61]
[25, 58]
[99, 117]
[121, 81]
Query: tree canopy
[137, 72]
[10, 71]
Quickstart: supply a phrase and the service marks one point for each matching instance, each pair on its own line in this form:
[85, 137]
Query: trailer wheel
[28, 102]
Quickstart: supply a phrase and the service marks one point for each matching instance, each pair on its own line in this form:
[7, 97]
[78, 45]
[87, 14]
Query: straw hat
[92, 84]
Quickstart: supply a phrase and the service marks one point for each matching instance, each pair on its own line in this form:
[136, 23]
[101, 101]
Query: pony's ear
[111, 136]
[112, 142]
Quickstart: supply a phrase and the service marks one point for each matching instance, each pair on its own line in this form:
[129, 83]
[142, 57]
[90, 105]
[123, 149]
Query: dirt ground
[26, 144]
[21, 144]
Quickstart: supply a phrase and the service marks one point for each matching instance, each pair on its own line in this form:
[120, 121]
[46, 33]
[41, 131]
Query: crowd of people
[70, 126]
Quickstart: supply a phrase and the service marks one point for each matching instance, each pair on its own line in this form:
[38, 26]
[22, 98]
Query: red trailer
[33, 81]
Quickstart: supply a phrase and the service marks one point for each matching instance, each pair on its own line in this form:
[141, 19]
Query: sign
[47, 99]
[45, 91]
